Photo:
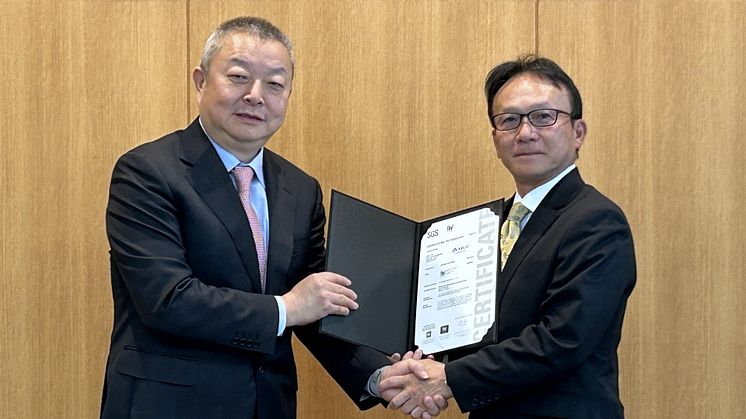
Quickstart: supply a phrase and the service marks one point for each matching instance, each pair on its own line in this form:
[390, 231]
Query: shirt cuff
[375, 378]
[282, 318]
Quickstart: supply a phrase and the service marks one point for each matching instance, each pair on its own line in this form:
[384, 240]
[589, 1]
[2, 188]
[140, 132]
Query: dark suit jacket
[193, 336]
[560, 304]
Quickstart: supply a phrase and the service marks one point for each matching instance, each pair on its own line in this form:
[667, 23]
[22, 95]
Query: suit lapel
[550, 208]
[211, 181]
[281, 204]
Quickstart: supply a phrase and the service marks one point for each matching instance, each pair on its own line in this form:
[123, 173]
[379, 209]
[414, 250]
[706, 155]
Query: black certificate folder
[402, 269]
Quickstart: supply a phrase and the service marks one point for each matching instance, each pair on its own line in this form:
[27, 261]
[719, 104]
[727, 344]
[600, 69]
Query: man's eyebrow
[245, 63]
[531, 107]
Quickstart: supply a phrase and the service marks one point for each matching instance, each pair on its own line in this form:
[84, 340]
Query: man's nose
[526, 130]
[254, 93]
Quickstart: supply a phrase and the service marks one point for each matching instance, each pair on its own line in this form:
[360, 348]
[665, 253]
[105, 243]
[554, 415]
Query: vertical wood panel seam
[536, 27]
[186, 60]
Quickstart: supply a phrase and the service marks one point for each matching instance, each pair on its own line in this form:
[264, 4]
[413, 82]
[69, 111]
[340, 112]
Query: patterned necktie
[243, 175]
[510, 230]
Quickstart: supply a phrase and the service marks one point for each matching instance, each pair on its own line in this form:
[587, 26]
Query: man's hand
[317, 296]
[416, 387]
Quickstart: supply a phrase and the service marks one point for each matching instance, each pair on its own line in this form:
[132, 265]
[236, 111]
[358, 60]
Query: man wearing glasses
[568, 269]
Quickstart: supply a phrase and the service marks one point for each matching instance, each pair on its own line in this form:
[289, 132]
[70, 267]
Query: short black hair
[541, 67]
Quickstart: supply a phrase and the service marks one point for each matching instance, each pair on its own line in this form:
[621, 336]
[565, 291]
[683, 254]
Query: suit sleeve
[144, 223]
[593, 274]
[350, 365]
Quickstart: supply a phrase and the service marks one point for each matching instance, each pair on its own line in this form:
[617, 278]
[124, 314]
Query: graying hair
[254, 26]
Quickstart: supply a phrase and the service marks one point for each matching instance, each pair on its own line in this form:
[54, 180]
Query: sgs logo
[431, 234]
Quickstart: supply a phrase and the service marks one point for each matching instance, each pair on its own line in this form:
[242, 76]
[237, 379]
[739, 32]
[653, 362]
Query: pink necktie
[243, 175]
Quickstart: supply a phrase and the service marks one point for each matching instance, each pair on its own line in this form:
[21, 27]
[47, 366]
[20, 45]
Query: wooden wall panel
[82, 82]
[387, 105]
[663, 84]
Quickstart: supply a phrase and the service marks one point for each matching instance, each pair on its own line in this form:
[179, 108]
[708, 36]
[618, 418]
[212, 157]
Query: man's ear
[198, 77]
[580, 129]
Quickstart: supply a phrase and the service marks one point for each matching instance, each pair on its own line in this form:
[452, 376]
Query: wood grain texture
[387, 106]
[83, 81]
[663, 84]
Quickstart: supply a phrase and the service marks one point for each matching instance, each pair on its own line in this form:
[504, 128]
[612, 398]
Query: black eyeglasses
[538, 118]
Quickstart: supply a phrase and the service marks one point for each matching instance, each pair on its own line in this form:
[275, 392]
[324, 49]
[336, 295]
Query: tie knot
[518, 212]
[243, 175]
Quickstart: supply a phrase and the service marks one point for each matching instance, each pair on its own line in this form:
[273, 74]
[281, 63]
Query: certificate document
[458, 266]
[428, 284]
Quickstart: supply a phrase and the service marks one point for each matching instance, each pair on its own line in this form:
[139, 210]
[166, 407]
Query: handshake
[415, 386]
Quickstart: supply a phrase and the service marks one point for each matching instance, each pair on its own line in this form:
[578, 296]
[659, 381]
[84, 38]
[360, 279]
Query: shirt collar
[534, 198]
[230, 161]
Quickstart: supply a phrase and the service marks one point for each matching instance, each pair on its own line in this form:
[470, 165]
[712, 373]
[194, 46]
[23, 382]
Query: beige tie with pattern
[510, 230]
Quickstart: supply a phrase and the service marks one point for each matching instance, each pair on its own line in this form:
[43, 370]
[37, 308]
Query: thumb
[405, 367]
[419, 370]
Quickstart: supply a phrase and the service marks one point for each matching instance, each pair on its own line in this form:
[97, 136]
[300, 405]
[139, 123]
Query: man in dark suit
[564, 285]
[205, 305]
